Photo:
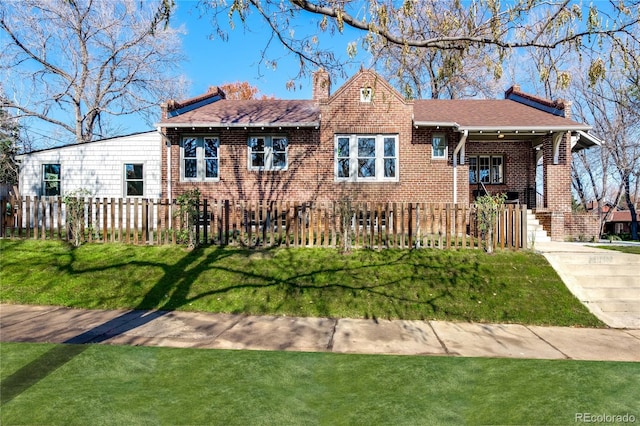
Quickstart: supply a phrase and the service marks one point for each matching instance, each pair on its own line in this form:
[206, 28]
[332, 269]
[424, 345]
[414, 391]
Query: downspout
[461, 144]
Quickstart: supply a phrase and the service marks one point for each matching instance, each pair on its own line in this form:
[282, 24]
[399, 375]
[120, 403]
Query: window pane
[496, 169]
[343, 147]
[52, 188]
[389, 167]
[279, 144]
[257, 159]
[473, 169]
[343, 167]
[190, 168]
[135, 188]
[279, 160]
[133, 171]
[484, 169]
[210, 148]
[256, 144]
[439, 146]
[212, 168]
[389, 147]
[52, 171]
[366, 167]
[366, 147]
[189, 145]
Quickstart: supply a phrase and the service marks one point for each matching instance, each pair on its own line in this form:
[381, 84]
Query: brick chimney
[321, 85]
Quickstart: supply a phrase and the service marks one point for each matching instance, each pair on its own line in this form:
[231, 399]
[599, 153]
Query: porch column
[557, 180]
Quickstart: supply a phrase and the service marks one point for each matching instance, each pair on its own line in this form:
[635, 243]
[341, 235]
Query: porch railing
[254, 223]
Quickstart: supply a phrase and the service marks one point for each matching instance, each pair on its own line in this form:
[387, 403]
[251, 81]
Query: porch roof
[477, 115]
[249, 113]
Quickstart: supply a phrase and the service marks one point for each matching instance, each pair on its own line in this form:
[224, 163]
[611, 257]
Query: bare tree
[77, 63]
[501, 27]
[609, 104]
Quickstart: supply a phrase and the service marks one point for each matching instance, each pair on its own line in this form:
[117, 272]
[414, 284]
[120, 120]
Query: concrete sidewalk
[607, 282]
[21, 323]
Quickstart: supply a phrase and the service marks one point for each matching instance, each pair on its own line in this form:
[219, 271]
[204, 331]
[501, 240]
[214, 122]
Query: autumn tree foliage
[242, 90]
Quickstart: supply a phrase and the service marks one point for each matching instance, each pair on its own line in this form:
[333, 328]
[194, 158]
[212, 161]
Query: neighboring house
[126, 166]
[619, 222]
[366, 142]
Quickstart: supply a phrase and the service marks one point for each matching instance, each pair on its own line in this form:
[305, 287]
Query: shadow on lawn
[172, 292]
[155, 299]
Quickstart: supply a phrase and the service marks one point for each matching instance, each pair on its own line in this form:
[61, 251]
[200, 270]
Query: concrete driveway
[607, 282]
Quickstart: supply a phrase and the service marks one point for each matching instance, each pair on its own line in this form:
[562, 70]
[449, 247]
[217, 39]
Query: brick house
[366, 142]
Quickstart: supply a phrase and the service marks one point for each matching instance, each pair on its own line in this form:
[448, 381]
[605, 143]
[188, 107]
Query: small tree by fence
[253, 223]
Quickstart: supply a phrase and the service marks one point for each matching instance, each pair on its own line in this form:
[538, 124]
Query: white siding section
[97, 166]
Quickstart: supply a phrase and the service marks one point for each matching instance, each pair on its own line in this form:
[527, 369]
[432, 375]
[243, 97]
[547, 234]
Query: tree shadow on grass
[172, 291]
[155, 300]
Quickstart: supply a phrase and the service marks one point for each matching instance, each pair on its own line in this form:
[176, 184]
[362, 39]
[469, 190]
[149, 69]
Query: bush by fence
[265, 224]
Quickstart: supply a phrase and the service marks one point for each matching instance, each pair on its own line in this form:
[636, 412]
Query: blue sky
[214, 62]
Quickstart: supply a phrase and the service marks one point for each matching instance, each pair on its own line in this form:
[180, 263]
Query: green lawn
[102, 385]
[513, 287]
[623, 249]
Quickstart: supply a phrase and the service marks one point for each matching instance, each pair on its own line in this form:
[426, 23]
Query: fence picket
[254, 223]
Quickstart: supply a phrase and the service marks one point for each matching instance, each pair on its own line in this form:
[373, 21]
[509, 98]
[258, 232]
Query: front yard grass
[101, 384]
[468, 285]
[623, 249]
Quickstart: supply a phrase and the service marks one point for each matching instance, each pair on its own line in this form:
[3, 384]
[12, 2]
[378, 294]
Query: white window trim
[366, 94]
[125, 180]
[201, 168]
[446, 147]
[43, 181]
[268, 154]
[353, 158]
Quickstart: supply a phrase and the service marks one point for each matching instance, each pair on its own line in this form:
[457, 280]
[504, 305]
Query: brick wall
[581, 227]
[310, 174]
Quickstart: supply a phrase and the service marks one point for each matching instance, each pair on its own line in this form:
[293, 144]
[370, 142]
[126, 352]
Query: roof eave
[504, 129]
[314, 124]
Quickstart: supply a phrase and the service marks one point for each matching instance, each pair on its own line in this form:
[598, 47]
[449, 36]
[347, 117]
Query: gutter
[315, 124]
[502, 129]
[463, 141]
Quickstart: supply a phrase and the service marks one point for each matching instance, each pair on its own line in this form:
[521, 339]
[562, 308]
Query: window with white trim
[366, 158]
[439, 146]
[268, 153]
[488, 169]
[51, 180]
[133, 180]
[200, 158]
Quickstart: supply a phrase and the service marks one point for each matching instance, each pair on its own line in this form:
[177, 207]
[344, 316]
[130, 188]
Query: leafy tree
[484, 25]
[77, 63]
[8, 146]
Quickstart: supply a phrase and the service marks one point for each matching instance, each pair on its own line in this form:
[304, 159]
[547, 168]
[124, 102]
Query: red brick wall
[581, 227]
[310, 175]
[311, 155]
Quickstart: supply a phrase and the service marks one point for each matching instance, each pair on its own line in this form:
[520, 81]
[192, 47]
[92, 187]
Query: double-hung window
[366, 158]
[51, 180]
[439, 147]
[268, 153]
[200, 158]
[488, 169]
[134, 180]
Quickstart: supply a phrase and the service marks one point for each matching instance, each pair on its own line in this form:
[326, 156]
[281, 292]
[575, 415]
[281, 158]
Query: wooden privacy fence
[264, 224]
